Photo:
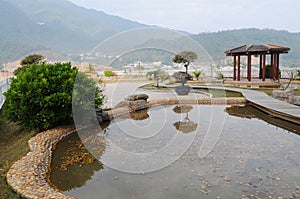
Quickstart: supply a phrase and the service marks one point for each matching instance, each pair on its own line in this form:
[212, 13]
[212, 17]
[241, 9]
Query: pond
[245, 158]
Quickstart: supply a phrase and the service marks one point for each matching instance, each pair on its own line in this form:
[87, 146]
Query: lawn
[13, 140]
[214, 92]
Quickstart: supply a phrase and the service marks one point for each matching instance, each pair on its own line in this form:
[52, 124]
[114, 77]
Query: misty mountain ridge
[45, 25]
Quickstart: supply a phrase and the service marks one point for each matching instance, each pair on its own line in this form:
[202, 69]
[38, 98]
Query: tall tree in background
[27, 61]
[185, 58]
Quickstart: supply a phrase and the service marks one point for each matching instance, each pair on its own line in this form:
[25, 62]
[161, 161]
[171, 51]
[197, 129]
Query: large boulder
[137, 102]
[283, 94]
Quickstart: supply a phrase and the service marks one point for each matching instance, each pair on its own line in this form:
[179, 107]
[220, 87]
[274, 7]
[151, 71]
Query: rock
[136, 102]
[137, 97]
[137, 105]
[294, 100]
[102, 116]
[283, 94]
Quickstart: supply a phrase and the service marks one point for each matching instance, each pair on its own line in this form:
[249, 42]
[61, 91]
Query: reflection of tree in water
[182, 109]
[72, 164]
[185, 126]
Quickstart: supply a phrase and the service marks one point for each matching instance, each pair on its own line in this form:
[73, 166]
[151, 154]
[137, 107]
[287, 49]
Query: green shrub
[40, 97]
[197, 74]
[109, 73]
[220, 76]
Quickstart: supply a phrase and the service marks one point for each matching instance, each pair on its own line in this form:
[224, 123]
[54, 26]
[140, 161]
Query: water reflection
[252, 159]
[251, 112]
[74, 161]
[185, 126]
[139, 115]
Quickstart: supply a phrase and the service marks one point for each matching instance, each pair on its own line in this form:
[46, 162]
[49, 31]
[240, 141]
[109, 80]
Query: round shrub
[40, 97]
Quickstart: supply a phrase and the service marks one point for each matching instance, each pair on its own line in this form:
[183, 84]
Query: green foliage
[32, 59]
[41, 97]
[268, 71]
[29, 60]
[160, 74]
[109, 73]
[84, 88]
[185, 57]
[92, 68]
[197, 74]
[220, 76]
[14, 140]
[216, 43]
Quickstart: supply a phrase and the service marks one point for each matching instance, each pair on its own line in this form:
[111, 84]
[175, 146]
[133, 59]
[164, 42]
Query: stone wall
[287, 95]
[28, 176]
[283, 95]
[294, 100]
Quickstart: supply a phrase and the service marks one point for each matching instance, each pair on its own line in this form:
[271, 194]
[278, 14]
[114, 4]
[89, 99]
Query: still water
[226, 152]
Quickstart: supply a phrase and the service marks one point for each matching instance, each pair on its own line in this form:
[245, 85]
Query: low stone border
[121, 111]
[28, 176]
[204, 101]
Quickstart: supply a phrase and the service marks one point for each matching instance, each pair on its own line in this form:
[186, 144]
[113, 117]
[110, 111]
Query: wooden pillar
[239, 68]
[272, 67]
[234, 68]
[264, 68]
[278, 70]
[249, 68]
[275, 68]
[260, 66]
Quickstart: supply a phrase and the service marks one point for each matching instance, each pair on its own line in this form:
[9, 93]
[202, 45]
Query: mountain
[57, 25]
[216, 43]
[61, 27]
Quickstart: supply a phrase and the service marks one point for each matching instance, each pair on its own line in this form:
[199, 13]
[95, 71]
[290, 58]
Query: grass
[14, 145]
[123, 79]
[214, 92]
[220, 93]
[151, 87]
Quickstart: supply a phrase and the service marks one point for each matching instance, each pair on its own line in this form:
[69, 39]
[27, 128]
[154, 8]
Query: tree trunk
[186, 65]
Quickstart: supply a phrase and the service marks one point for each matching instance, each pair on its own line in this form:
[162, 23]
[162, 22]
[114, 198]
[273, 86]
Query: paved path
[267, 103]
[117, 92]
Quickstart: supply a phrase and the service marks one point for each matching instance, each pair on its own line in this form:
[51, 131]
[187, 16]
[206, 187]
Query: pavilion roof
[257, 49]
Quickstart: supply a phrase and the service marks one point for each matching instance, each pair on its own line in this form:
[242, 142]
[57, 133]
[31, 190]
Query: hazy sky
[205, 15]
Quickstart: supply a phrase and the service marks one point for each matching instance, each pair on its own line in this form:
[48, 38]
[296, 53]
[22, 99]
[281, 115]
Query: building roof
[257, 49]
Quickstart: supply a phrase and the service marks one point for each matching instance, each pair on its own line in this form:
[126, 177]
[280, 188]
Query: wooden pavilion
[257, 50]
